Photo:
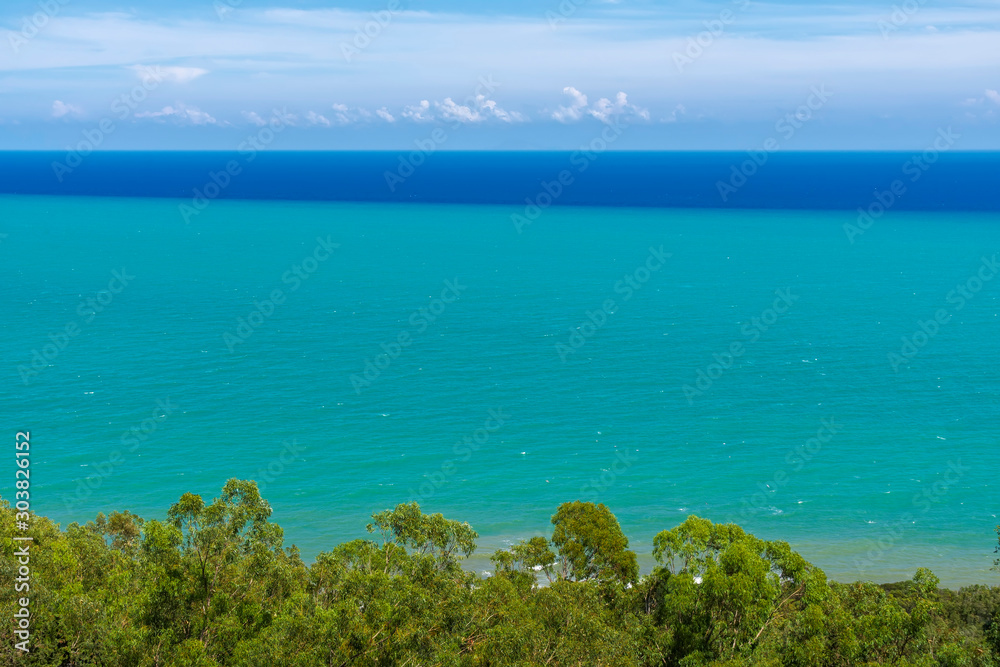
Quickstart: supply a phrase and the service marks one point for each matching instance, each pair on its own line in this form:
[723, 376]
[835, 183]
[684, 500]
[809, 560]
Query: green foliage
[428, 535]
[591, 544]
[213, 585]
[524, 559]
[996, 549]
[723, 592]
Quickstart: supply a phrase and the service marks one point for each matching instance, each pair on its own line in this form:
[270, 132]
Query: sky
[512, 75]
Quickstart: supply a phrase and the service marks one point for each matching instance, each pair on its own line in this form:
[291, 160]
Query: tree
[123, 529]
[232, 567]
[591, 544]
[723, 589]
[996, 549]
[524, 559]
[213, 586]
[430, 535]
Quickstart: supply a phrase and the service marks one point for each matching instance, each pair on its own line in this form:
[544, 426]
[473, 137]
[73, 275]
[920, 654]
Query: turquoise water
[903, 477]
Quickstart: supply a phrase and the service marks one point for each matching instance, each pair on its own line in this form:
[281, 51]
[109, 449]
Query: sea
[809, 351]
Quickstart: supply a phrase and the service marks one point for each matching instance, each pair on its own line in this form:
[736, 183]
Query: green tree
[524, 559]
[213, 585]
[721, 590]
[996, 549]
[591, 544]
[432, 535]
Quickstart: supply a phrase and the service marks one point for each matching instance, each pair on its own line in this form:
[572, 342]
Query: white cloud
[477, 110]
[61, 109]
[342, 114]
[419, 113]
[457, 112]
[181, 114]
[603, 110]
[252, 117]
[483, 109]
[490, 108]
[678, 111]
[182, 74]
[575, 110]
[277, 116]
[974, 103]
[170, 74]
[314, 118]
[346, 115]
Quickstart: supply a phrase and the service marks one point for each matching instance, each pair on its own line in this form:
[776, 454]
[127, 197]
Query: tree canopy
[214, 585]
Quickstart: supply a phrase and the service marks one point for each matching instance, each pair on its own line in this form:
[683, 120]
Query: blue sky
[546, 74]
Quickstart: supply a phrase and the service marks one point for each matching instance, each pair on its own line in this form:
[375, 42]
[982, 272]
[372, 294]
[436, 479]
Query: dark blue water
[828, 180]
